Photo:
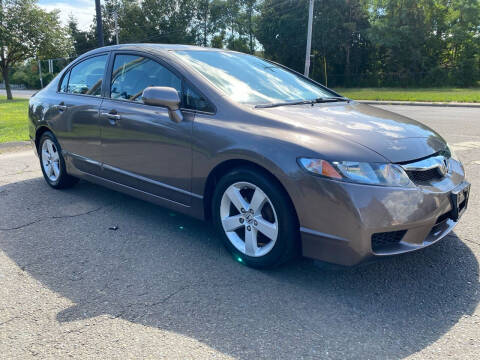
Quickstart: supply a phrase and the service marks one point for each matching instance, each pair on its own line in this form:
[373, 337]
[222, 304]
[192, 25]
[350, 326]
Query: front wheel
[255, 218]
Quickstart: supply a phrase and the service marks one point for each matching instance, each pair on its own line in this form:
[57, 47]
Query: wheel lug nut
[251, 211]
[255, 223]
[249, 228]
[242, 210]
[242, 220]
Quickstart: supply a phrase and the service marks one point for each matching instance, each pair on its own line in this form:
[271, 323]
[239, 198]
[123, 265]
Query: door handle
[112, 117]
[61, 107]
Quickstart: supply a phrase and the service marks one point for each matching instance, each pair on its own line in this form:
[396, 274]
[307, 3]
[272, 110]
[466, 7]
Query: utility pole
[99, 23]
[115, 17]
[40, 73]
[309, 39]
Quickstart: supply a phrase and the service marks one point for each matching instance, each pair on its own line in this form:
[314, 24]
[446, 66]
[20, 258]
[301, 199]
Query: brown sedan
[279, 163]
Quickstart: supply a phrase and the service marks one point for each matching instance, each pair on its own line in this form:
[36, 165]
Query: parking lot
[162, 285]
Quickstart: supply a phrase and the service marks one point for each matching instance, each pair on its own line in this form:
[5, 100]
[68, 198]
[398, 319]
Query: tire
[262, 229]
[52, 162]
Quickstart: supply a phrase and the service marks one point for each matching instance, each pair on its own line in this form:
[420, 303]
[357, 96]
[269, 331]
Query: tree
[168, 21]
[210, 21]
[250, 7]
[463, 42]
[83, 41]
[339, 43]
[282, 31]
[26, 31]
[218, 40]
[204, 19]
[400, 32]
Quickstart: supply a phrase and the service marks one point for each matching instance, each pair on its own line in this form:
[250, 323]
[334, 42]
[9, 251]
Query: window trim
[79, 61]
[189, 83]
[67, 73]
[161, 62]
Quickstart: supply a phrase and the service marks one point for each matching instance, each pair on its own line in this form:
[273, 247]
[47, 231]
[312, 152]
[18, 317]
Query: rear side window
[132, 74]
[86, 77]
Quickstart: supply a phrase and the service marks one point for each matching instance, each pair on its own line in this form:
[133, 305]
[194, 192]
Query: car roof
[160, 48]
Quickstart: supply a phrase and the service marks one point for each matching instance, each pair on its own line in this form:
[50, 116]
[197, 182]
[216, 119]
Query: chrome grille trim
[426, 170]
[438, 161]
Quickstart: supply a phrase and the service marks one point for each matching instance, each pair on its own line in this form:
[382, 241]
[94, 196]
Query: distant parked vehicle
[279, 163]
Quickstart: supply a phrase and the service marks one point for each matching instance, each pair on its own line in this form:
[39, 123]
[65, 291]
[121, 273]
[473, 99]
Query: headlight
[449, 153]
[358, 172]
[454, 163]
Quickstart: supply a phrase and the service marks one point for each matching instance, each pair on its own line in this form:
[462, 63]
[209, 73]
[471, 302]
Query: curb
[420, 103]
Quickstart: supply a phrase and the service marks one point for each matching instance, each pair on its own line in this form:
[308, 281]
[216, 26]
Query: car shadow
[165, 270]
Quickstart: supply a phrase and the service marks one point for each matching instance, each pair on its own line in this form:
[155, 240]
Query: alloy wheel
[50, 160]
[249, 219]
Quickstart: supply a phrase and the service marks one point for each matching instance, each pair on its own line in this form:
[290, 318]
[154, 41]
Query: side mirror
[164, 96]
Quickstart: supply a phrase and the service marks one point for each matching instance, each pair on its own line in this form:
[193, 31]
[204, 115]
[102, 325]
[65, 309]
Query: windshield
[249, 80]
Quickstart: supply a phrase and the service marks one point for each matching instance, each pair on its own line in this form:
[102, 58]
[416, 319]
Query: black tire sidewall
[287, 240]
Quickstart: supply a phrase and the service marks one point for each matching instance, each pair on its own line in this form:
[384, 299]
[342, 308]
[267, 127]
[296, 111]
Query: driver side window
[132, 74]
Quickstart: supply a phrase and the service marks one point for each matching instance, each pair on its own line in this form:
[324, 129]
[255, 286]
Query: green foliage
[216, 23]
[83, 41]
[356, 43]
[281, 29]
[27, 31]
[438, 40]
[377, 42]
[27, 73]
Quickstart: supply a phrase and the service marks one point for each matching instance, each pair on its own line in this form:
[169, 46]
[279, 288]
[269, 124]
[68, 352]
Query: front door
[141, 146]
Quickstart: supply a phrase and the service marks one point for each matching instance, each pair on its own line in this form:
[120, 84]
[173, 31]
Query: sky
[83, 10]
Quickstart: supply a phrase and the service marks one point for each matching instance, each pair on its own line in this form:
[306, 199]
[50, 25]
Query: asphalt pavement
[161, 286]
[19, 94]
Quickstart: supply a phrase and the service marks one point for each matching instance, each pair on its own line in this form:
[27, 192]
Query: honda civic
[278, 163]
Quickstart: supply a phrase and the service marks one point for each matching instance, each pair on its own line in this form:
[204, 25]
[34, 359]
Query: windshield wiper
[330, 99]
[302, 102]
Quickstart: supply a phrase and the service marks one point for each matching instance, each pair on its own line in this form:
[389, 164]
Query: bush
[28, 76]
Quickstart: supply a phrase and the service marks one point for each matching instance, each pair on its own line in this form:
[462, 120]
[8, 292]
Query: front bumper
[338, 219]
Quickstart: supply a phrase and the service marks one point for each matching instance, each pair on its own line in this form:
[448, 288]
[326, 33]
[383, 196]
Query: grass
[433, 94]
[13, 120]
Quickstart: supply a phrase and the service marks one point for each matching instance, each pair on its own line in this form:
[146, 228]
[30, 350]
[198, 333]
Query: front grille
[386, 239]
[424, 176]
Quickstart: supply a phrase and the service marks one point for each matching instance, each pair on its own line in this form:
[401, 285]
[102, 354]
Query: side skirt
[195, 210]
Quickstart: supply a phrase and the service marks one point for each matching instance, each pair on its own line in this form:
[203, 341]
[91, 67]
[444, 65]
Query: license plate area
[459, 198]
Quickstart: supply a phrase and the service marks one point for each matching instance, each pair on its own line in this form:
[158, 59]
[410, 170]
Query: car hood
[395, 137]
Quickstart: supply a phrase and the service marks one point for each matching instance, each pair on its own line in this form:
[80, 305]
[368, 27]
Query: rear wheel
[255, 218]
[52, 162]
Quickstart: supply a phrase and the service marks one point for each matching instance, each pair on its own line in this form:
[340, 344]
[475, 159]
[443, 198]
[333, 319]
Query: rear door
[141, 146]
[77, 104]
